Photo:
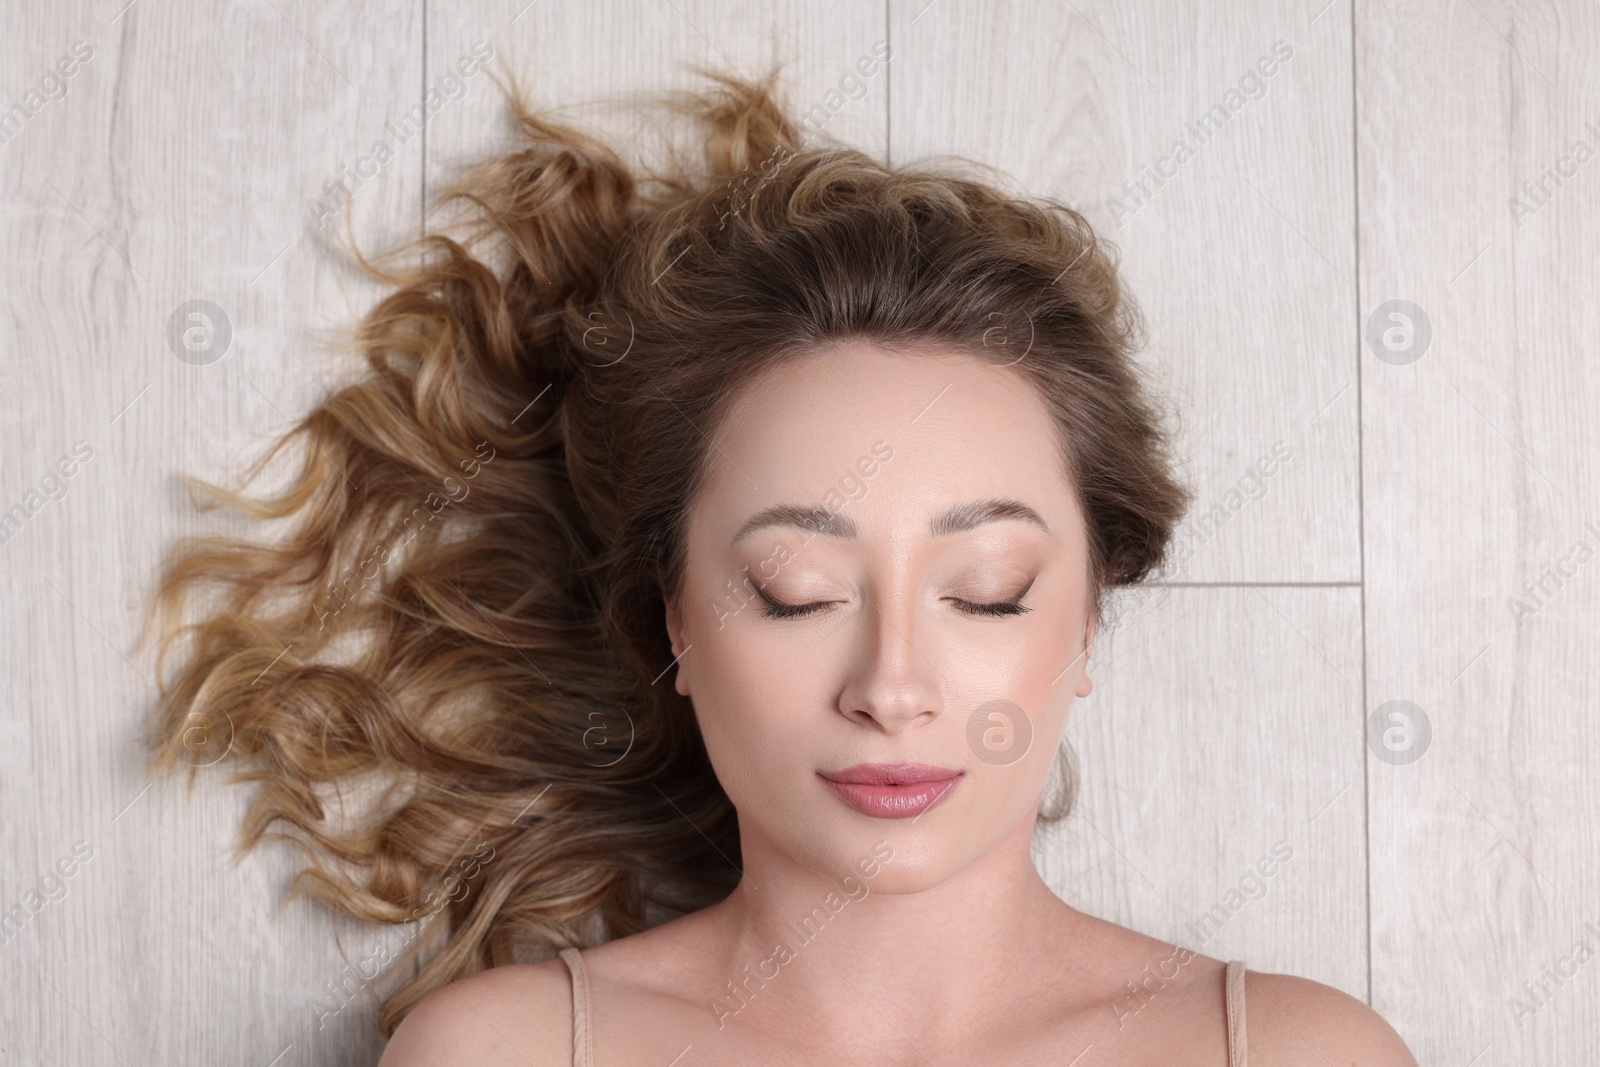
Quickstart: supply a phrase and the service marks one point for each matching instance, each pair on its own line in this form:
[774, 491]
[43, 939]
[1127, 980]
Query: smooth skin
[954, 950]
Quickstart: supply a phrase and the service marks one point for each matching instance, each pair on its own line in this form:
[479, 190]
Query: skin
[954, 950]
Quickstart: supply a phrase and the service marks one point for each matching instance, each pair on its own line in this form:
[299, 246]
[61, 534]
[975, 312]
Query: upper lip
[890, 774]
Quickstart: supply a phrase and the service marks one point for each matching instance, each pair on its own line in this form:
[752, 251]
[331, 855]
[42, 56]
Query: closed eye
[1004, 607]
[778, 610]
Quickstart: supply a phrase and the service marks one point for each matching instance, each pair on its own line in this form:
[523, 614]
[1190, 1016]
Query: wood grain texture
[1481, 468]
[178, 166]
[186, 157]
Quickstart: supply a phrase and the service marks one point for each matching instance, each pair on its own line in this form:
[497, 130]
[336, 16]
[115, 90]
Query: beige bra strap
[1234, 998]
[582, 1046]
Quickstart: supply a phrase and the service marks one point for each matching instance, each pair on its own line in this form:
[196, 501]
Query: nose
[894, 682]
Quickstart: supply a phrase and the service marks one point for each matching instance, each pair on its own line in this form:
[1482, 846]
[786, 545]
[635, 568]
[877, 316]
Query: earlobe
[1085, 683]
[675, 634]
[675, 626]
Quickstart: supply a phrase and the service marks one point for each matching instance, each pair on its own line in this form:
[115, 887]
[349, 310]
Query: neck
[886, 948]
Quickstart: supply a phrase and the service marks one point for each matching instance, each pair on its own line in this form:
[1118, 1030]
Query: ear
[1085, 683]
[679, 643]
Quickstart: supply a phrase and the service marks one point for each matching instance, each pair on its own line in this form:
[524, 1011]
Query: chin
[890, 856]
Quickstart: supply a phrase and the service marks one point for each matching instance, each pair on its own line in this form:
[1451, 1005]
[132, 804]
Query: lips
[890, 774]
[892, 790]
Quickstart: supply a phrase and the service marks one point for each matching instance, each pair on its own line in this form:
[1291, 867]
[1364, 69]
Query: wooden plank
[178, 166]
[1480, 472]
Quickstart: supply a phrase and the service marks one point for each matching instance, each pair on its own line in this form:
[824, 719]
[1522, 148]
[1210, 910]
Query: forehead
[891, 437]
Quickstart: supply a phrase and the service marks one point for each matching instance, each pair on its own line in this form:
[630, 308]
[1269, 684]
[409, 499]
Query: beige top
[583, 1041]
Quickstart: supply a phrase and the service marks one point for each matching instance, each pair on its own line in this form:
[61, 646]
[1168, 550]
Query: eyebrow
[820, 520]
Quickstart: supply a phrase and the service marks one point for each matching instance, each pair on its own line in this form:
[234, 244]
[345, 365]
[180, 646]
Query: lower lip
[893, 801]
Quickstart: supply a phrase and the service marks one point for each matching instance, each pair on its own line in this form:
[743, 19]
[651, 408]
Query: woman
[756, 532]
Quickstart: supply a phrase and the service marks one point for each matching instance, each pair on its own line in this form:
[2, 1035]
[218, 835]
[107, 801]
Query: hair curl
[494, 515]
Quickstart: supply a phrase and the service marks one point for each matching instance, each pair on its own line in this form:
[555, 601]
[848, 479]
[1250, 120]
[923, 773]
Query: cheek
[1010, 711]
[1024, 671]
[756, 710]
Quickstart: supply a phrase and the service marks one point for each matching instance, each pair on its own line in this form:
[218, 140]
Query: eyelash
[1000, 609]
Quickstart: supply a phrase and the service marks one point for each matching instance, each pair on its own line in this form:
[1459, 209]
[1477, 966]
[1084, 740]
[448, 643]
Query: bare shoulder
[1296, 1022]
[516, 1014]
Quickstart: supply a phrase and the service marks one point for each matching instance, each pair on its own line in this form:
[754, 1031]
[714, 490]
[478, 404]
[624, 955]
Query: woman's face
[891, 657]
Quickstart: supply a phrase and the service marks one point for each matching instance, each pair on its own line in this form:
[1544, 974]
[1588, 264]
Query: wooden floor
[1372, 260]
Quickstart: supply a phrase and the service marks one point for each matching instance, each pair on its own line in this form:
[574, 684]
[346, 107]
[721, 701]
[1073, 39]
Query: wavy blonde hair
[469, 612]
